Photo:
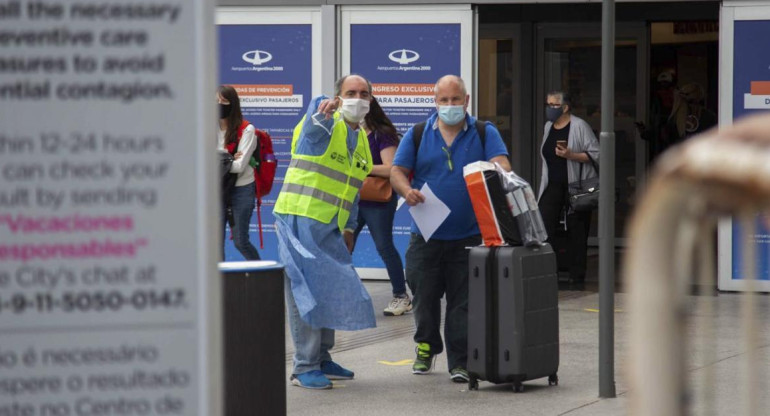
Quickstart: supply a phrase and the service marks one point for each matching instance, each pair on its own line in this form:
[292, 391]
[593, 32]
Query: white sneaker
[398, 306]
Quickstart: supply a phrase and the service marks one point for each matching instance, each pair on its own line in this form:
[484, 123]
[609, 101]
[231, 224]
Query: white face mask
[354, 109]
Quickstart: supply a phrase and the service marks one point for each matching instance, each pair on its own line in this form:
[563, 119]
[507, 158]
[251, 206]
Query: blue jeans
[380, 222]
[433, 269]
[243, 202]
[311, 345]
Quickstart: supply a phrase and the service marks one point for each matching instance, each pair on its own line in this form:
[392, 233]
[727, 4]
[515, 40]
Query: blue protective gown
[326, 287]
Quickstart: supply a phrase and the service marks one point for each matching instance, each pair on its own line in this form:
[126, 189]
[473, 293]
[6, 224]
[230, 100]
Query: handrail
[723, 172]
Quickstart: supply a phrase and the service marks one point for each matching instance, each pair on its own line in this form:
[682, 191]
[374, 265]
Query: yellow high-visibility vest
[321, 187]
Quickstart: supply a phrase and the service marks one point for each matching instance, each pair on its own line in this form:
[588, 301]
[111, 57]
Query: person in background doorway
[567, 142]
[689, 115]
[378, 216]
[439, 266]
[237, 137]
[660, 109]
[315, 216]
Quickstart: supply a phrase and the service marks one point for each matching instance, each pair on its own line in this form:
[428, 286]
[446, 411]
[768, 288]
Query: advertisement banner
[751, 73]
[403, 63]
[751, 94]
[270, 67]
[109, 301]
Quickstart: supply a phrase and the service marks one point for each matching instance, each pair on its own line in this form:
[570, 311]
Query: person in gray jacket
[567, 142]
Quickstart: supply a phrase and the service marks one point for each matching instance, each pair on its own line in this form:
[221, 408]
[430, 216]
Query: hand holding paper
[430, 214]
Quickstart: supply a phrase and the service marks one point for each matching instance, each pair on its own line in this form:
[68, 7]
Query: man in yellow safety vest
[316, 213]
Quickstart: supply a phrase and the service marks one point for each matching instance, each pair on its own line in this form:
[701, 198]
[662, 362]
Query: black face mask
[552, 114]
[224, 110]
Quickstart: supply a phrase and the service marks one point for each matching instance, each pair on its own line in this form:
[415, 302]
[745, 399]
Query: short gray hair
[565, 97]
[341, 80]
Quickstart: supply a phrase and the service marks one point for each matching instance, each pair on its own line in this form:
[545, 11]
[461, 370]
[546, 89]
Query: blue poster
[270, 67]
[751, 94]
[761, 239]
[403, 63]
[751, 69]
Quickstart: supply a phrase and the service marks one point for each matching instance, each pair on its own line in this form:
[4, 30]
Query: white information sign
[109, 295]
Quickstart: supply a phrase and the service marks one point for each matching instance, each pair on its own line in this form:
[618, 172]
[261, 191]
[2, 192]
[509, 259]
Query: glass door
[569, 59]
[498, 87]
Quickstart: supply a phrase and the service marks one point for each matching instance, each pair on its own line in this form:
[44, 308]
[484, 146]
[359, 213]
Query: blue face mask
[451, 114]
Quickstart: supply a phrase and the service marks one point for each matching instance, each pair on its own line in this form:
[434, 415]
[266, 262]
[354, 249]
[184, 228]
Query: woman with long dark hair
[383, 141]
[237, 137]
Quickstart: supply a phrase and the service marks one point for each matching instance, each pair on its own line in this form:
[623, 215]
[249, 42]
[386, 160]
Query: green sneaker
[424, 361]
[459, 375]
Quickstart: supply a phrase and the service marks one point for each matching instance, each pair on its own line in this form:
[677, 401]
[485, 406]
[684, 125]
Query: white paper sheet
[430, 214]
[400, 203]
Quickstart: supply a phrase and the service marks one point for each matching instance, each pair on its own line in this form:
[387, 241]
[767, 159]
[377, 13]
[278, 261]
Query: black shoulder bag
[584, 194]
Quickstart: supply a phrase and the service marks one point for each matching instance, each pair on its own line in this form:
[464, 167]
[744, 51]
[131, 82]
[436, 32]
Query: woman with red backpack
[237, 137]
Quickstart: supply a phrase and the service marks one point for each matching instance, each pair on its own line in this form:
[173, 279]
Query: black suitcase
[513, 315]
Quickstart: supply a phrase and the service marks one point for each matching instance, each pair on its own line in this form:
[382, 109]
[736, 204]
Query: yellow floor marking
[596, 310]
[396, 363]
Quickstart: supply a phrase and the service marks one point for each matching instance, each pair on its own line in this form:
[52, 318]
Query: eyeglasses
[448, 157]
[553, 105]
[360, 160]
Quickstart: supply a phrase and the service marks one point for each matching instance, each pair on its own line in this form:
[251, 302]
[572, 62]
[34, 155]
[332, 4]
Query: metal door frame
[519, 155]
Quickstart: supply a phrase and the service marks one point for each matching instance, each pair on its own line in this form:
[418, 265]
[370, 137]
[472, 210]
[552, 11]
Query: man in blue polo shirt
[440, 265]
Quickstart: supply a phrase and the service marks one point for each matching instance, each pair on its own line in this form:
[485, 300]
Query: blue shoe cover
[313, 379]
[334, 371]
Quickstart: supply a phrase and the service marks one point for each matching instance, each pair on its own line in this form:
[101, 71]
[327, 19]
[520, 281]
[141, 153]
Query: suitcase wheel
[518, 387]
[473, 383]
[553, 380]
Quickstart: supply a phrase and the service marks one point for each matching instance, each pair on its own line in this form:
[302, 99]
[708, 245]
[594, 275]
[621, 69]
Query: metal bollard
[254, 343]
